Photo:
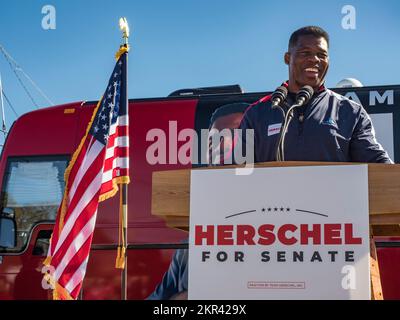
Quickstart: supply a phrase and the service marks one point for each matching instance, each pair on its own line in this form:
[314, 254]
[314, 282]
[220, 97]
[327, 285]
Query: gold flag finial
[124, 27]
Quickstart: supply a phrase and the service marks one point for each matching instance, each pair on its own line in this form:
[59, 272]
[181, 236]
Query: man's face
[308, 62]
[224, 149]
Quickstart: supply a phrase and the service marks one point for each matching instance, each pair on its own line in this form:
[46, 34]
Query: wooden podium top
[171, 192]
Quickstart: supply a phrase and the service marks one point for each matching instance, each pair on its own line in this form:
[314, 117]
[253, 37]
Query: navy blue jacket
[329, 128]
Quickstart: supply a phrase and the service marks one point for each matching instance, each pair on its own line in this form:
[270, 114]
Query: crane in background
[18, 71]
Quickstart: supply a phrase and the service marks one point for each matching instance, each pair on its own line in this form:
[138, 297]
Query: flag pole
[123, 24]
[124, 272]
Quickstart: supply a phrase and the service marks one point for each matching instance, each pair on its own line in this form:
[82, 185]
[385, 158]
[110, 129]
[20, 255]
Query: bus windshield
[33, 189]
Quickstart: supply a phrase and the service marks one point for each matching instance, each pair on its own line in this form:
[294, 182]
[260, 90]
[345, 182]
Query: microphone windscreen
[280, 92]
[308, 90]
[283, 90]
[306, 93]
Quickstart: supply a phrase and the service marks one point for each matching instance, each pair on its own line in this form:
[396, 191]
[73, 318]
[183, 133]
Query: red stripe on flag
[121, 131]
[78, 161]
[106, 187]
[80, 222]
[69, 271]
[76, 291]
[87, 179]
[109, 163]
[120, 152]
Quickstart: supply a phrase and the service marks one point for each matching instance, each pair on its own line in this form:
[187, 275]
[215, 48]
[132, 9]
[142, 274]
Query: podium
[171, 201]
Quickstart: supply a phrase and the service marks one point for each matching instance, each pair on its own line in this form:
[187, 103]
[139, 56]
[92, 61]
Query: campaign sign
[280, 233]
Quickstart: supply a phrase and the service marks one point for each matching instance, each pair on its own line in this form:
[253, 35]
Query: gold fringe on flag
[120, 260]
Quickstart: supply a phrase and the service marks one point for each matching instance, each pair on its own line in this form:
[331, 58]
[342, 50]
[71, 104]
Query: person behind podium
[174, 284]
[330, 127]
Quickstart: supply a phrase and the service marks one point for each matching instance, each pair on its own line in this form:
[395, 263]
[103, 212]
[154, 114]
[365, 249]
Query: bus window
[33, 190]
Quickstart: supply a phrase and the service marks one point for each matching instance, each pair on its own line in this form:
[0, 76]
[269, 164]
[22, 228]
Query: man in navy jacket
[329, 127]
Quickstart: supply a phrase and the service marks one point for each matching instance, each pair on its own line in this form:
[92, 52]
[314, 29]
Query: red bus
[38, 149]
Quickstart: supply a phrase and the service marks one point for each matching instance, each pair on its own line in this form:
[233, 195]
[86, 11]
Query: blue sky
[186, 43]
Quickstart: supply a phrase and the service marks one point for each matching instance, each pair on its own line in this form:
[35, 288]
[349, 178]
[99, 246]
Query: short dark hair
[238, 107]
[308, 31]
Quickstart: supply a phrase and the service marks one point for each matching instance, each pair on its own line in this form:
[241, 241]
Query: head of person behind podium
[174, 284]
[222, 137]
[312, 123]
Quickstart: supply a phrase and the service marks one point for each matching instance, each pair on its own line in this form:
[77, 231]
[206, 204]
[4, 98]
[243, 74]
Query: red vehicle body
[46, 138]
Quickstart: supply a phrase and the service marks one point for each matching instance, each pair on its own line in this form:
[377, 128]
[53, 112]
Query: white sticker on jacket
[274, 129]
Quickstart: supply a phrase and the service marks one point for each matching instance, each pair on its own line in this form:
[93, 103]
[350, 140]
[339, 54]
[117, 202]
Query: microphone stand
[302, 97]
[280, 151]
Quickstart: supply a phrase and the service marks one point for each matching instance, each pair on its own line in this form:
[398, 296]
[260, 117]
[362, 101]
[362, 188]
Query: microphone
[279, 96]
[304, 95]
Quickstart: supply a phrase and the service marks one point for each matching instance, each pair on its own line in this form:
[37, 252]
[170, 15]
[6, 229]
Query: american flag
[97, 166]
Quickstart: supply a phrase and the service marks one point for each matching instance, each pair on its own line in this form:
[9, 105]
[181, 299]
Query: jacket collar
[320, 89]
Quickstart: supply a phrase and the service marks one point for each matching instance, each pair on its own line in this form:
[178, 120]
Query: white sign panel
[383, 125]
[280, 233]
